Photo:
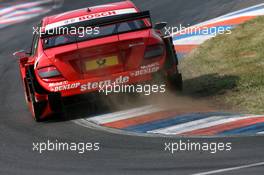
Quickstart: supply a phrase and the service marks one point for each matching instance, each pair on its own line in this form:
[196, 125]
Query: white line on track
[243, 10]
[231, 169]
[259, 12]
[239, 13]
[261, 133]
[25, 11]
[20, 6]
[22, 18]
[121, 115]
[194, 40]
[199, 124]
[21, 12]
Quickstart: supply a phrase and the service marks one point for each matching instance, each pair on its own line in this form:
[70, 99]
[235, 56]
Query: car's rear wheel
[174, 78]
[36, 111]
[175, 81]
[41, 109]
[36, 108]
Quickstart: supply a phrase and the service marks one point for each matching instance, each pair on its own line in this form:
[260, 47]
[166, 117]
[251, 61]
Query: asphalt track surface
[119, 154]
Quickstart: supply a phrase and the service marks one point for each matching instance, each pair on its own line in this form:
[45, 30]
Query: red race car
[78, 51]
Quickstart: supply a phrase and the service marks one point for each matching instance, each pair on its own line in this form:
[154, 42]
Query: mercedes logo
[101, 62]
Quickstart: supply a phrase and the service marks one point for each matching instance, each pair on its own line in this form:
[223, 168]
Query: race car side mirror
[160, 25]
[21, 54]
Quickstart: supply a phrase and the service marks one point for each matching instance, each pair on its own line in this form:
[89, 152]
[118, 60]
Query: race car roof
[87, 11]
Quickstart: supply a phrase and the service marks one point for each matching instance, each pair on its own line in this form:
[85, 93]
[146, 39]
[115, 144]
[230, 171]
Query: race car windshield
[103, 31]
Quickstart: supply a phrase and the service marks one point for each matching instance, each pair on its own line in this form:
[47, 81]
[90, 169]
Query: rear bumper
[72, 88]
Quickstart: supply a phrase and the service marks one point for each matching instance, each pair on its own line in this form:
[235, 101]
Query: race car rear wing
[99, 22]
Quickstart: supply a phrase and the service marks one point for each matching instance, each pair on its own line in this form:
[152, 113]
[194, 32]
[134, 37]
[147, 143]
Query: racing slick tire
[39, 109]
[36, 111]
[174, 78]
[175, 82]
[36, 108]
